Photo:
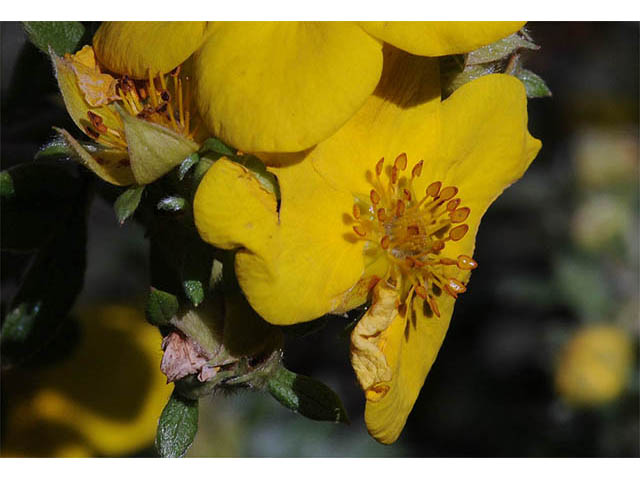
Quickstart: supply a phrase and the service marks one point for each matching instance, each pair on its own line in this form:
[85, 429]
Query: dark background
[543, 275]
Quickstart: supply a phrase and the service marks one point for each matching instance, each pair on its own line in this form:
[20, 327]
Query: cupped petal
[294, 264]
[410, 345]
[434, 39]
[485, 146]
[135, 48]
[283, 86]
[402, 116]
[72, 73]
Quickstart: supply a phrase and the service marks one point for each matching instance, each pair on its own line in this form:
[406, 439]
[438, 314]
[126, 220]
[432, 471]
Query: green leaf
[63, 37]
[7, 189]
[177, 427]
[161, 307]
[127, 203]
[534, 85]
[212, 144]
[172, 203]
[59, 147]
[267, 179]
[306, 396]
[35, 196]
[48, 291]
[194, 291]
[186, 165]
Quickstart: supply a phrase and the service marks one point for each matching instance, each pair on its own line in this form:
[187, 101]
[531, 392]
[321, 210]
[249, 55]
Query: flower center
[412, 231]
[164, 100]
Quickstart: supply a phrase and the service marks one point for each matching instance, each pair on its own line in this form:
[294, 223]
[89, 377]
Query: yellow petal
[294, 265]
[402, 116]
[75, 98]
[104, 399]
[283, 86]
[440, 38]
[109, 164]
[410, 345]
[135, 48]
[485, 146]
[153, 149]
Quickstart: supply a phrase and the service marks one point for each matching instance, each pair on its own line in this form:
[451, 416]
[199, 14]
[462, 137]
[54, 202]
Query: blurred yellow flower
[348, 220]
[144, 127]
[104, 399]
[282, 86]
[594, 366]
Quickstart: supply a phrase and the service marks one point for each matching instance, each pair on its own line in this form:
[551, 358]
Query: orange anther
[466, 263]
[356, 211]
[454, 287]
[382, 215]
[422, 292]
[400, 208]
[417, 169]
[375, 197]
[385, 241]
[447, 261]
[413, 230]
[437, 245]
[460, 215]
[434, 189]
[401, 161]
[453, 204]
[410, 262]
[407, 195]
[379, 166]
[359, 231]
[448, 192]
[458, 232]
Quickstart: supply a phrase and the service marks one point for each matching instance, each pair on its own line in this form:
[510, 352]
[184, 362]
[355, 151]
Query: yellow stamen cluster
[413, 231]
[164, 100]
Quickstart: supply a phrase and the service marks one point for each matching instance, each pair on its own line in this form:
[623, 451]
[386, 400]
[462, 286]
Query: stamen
[417, 169]
[413, 230]
[458, 232]
[379, 166]
[385, 241]
[460, 215]
[434, 189]
[453, 204]
[454, 287]
[359, 231]
[434, 306]
[447, 193]
[401, 161]
[375, 197]
[466, 263]
[407, 195]
[381, 214]
[400, 208]
[356, 211]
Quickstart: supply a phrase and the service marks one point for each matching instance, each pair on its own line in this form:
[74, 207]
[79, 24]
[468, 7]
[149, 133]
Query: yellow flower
[284, 86]
[104, 399]
[394, 198]
[594, 366]
[144, 127]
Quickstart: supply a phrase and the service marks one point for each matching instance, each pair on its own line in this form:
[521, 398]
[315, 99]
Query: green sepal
[214, 145]
[59, 147]
[533, 84]
[63, 37]
[194, 290]
[177, 426]
[306, 396]
[161, 307]
[127, 203]
[500, 49]
[172, 203]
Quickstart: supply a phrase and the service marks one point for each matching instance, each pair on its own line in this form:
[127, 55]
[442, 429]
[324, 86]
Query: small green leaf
[267, 179]
[500, 49]
[161, 307]
[194, 291]
[186, 165]
[306, 396]
[177, 427]
[172, 203]
[127, 203]
[214, 145]
[63, 37]
[6, 185]
[534, 85]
